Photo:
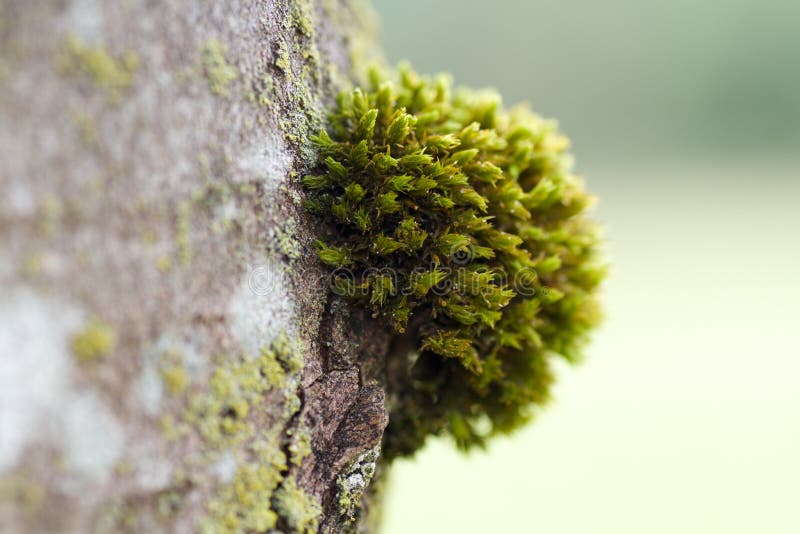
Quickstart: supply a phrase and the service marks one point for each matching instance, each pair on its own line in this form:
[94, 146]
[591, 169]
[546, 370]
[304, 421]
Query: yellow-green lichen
[94, 341]
[243, 504]
[27, 495]
[32, 265]
[352, 484]
[175, 378]
[168, 503]
[171, 429]
[301, 18]
[219, 73]
[267, 91]
[87, 129]
[51, 214]
[299, 444]
[283, 61]
[149, 238]
[257, 496]
[113, 75]
[183, 225]
[286, 243]
[300, 510]
[219, 415]
[164, 263]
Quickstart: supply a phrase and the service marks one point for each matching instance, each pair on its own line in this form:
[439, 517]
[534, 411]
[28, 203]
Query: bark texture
[169, 357]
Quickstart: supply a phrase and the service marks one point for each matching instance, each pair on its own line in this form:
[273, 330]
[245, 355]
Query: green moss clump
[112, 74]
[458, 222]
[96, 340]
[219, 72]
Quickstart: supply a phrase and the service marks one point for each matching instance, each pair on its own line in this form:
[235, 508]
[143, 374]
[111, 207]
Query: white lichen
[225, 467]
[261, 307]
[268, 162]
[37, 368]
[93, 437]
[85, 18]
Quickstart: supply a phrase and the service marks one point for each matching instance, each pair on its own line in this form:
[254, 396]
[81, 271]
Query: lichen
[113, 75]
[87, 129]
[175, 378]
[32, 265]
[51, 214]
[301, 18]
[298, 65]
[219, 73]
[300, 510]
[460, 224]
[299, 444]
[26, 494]
[352, 483]
[227, 417]
[283, 61]
[243, 505]
[284, 239]
[96, 340]
[183, 225]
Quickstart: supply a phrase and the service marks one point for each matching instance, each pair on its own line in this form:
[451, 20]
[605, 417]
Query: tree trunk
[169, 357]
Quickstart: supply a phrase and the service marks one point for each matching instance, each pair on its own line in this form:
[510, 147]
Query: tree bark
[169, 357]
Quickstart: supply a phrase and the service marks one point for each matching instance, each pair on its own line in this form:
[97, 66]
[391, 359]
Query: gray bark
[169, 360]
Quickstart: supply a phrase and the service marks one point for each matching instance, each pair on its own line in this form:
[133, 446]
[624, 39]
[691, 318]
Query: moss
[219, 73]
[95, 341]
[114, 75]
[460, 224]
[300, 510]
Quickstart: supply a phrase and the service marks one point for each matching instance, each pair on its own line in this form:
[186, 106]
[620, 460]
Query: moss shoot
[460, 224]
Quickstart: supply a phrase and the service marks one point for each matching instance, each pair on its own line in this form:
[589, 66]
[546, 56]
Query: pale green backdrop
[685, 416]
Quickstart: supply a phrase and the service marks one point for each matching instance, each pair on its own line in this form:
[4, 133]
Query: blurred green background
[685, 121]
